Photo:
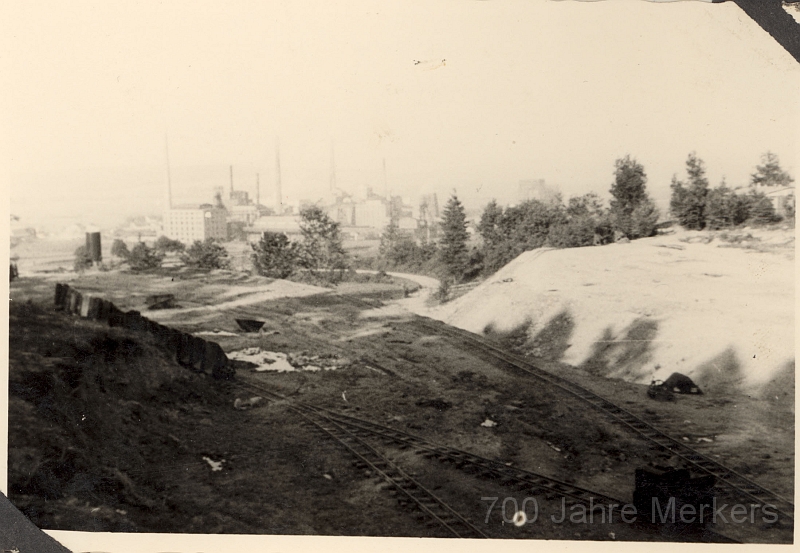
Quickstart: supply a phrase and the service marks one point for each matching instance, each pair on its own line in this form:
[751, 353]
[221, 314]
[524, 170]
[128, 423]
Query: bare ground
[106, 432]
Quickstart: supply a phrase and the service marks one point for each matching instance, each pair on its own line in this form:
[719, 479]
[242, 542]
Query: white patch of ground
[215, 333]
[713, 305]
[265, 360]
[276, 361]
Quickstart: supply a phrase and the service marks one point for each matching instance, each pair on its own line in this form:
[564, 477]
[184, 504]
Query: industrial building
[190, 223]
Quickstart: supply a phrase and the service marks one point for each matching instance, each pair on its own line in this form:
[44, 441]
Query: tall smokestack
[231, 181]
[278, 190]
[385, 182]
[169, 178]
[333, 172]
[258, 191]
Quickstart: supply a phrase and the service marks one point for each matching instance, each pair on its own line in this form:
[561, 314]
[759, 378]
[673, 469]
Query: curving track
[410, 489]
[352, 431]
[726, 478]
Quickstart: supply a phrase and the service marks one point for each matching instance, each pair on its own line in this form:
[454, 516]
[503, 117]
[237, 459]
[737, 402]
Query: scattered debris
[242, 404]
[554, 447]
[344, 397]
[488, 423]
[327, 476]
[703, 439]
[215, 465]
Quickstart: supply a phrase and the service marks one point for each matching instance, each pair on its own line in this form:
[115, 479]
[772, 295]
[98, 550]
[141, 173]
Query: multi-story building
[188, 224]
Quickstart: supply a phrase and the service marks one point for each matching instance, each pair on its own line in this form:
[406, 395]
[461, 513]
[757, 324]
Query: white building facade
[190, 224]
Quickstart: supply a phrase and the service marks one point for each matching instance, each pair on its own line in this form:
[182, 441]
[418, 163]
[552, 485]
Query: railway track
[726, 478]
[347, 429]
[410, 490]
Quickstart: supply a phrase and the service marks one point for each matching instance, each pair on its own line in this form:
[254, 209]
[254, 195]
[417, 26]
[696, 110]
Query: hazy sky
[469, 95]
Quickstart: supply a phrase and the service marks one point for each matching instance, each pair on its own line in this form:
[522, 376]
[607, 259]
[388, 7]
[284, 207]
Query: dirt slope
[716, 306]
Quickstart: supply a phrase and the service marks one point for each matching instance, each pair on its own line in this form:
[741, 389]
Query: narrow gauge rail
[426, 501]
[520, 479]
[726, 477]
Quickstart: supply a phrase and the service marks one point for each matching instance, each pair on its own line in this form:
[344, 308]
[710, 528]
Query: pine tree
[770, 172]
[488, 227]
[688, 200]
[453, 252]
[275, 256]
[632, 210]
[322, 247]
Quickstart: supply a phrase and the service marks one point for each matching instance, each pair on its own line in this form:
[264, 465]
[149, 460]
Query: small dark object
[160, 301]
[61, 296]
[249, 325]
[658, 488]
[659, 392]
[14, 272]
[682, 384]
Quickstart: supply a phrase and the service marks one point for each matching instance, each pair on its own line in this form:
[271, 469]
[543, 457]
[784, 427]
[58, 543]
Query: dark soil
[108, 433]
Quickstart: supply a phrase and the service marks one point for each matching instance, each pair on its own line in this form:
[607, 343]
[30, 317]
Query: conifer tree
[453, 252]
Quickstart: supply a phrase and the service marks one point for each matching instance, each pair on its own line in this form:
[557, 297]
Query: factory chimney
[333, 172]
[169, 179]
[278, 190]
[258, 191]
[386, 182]
[231, 181]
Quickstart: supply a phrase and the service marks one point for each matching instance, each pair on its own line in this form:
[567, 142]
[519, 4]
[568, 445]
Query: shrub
[577, 232]
[206, 255]
[164, 245]
[644, 220]
[761, 211]
[120, 249]
[275, 256]
[82, 259]
[322, 248]
[725, 209]
[143, 257]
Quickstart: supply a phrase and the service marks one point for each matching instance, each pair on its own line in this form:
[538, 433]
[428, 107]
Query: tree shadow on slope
[623, 357]
[720, 374]
[549, 343]
[780, 388]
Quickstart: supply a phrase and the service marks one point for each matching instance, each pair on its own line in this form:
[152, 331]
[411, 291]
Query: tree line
[585, 220]
[502, 233]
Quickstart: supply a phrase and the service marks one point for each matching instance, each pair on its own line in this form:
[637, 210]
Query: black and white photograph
[391, 274]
